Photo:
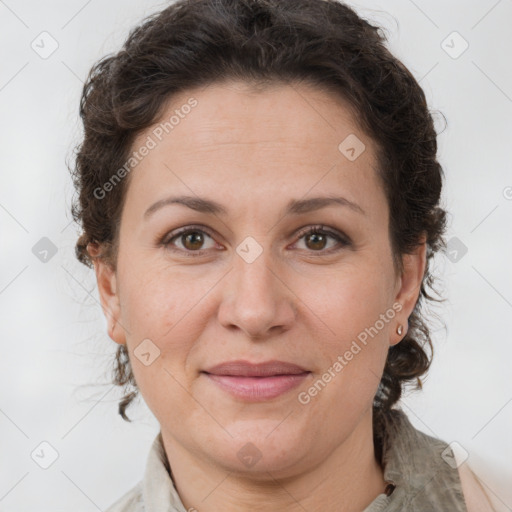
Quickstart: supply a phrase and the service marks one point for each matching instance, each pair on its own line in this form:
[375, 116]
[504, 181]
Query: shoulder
[129, 502]
[474, 493]
[422, 463]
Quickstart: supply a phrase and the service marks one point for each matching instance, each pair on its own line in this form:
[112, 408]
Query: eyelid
[322, 229]
[342, 239]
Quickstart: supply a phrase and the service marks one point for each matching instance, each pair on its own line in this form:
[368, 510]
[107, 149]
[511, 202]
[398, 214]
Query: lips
[256, 382]
[241, 368]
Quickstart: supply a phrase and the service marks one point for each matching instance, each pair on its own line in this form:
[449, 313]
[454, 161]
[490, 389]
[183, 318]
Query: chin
[258, 447]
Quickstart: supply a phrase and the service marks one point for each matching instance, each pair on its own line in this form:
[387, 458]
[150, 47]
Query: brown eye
[188, 240]
[192, 240]
[316, 241]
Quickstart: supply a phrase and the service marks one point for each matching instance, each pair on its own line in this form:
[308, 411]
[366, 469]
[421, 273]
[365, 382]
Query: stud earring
[400, 330]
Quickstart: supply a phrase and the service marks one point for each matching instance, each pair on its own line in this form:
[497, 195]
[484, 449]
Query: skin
[302, 300]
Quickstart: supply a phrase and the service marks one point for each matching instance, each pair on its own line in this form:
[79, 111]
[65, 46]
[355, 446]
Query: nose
[257, 299]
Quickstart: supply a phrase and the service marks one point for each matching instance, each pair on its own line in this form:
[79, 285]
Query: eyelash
[342, 240]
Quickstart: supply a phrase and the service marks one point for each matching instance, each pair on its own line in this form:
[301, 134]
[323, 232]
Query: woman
[259, 196]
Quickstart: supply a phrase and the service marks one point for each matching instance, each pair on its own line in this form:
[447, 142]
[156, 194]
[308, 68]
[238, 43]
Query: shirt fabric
[420, 469]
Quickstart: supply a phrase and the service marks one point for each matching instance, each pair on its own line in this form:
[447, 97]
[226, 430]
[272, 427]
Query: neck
[347, 481]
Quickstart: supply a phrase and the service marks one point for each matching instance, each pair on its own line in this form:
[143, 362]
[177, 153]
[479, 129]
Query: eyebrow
[294, 207]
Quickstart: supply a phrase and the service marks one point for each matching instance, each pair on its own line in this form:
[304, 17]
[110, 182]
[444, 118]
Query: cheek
[169, 309]
[353, 335]
[157, 299]
[350, 302]
[166, 309]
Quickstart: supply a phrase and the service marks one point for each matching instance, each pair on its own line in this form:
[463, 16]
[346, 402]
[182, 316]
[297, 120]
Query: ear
[108, 291]
[409, 284]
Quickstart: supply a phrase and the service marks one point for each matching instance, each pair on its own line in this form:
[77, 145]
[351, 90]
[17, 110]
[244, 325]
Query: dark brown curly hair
[195, 43]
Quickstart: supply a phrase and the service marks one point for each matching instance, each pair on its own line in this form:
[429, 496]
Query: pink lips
[256, 382]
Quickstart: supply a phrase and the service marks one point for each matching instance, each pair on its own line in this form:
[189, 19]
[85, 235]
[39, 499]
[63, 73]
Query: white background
[56, 356]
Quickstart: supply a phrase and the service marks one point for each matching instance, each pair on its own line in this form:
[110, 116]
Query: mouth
[256, 382]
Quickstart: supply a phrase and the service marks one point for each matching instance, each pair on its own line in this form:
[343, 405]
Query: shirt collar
[158, 489]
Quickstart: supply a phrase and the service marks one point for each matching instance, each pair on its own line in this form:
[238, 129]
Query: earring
[400, 330]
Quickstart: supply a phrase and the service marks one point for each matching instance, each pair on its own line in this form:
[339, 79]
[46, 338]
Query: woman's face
[247, 283]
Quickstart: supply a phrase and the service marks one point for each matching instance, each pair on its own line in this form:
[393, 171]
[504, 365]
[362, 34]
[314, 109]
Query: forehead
[284, 138]
[231, 112]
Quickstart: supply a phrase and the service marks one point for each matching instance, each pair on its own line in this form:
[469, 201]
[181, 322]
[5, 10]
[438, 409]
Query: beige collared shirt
[421, 469]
